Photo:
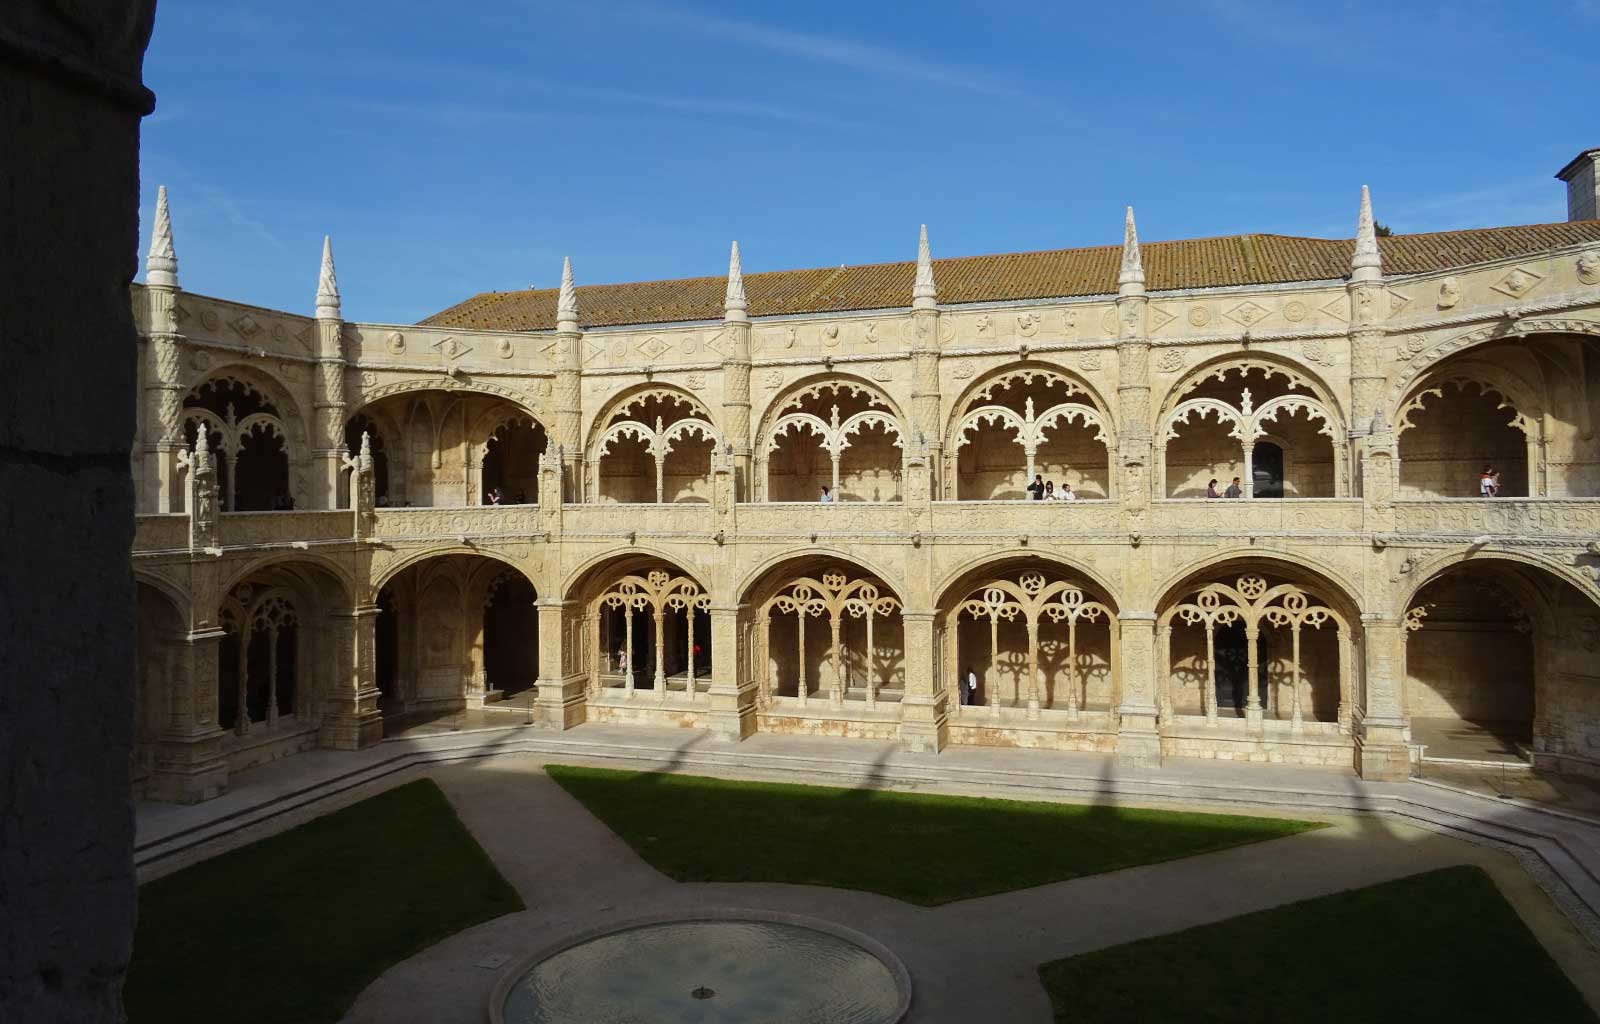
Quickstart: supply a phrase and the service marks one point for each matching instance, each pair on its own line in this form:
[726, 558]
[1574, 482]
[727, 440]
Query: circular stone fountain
[708, 966]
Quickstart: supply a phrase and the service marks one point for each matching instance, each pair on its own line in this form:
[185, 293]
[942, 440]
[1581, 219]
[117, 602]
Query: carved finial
[734, 306]
[1366, 264]
[567, 304]
[364, 460]
[924, 295]
[161, 265]
[327, 284]
[1131, 280]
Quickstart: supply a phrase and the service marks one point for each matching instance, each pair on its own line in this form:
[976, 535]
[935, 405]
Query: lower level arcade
[1254, 659]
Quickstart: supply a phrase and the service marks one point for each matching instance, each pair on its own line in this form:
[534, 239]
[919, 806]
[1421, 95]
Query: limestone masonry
[601, 503]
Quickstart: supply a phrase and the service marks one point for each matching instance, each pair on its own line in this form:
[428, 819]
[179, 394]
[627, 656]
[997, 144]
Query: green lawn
[292, 928]
[1440, 946]
[916, 847]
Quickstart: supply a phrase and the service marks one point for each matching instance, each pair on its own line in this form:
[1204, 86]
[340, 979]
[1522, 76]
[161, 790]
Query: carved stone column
[329, 451]
[189, 765]
[566, 434]
[350, 718]
[561, 678]
[1138, 742]
[161, 489]
[923, 714]
[1133, 380]
[733, 694]
[926, 428]
[1380, 746]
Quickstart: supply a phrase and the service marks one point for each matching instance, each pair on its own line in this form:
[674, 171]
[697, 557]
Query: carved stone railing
[785, 518]
[671, 518]
[469, 521]
[1578, 518]
[161, 531]
[1257, 515]
[1040, 518]
[240, 528]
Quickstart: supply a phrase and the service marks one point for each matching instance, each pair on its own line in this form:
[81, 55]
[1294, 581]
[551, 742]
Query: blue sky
[465, 147]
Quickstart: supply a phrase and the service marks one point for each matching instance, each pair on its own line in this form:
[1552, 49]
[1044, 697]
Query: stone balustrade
[1574, 518]
[1577, 518]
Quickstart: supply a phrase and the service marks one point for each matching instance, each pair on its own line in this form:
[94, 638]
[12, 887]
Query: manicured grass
[292, 928]
[1439, 946]
[916, 847]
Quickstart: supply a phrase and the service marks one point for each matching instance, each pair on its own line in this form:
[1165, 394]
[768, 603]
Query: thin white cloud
[230, 208]
[864, 57]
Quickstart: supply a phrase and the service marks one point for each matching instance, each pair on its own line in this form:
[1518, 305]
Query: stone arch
[975, 566]
[270, 387]
[1334, 587]
[641, 625]
[754, 575]
[1272, 363]
[1044, 631]
[1425, 572]
[786, 428]
[1037, 425]
[440, 639]
[1271, 639]
[390, 571]
[454, 385]
[826, 628]
[1423, 354]
[340, 574]
[584, 573]
[1471, 433]
[1189, 451]
[180, 598]
[161, 671]
[665, 446]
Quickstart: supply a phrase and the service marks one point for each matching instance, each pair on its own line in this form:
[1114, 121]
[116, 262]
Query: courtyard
[1005, 890]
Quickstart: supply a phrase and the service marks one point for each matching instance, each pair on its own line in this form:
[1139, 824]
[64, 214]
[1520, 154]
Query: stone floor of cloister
[970, 958]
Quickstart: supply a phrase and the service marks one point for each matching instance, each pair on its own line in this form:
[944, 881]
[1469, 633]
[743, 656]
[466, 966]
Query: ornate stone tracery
[836, 596]
[1033, 600]
[656, 592]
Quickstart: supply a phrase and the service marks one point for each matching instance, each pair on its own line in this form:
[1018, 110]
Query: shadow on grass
[923, 848]
[293, 927]
[1439, 946]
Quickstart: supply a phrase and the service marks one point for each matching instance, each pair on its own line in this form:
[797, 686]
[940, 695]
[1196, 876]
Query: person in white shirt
[1066, 493]
[1049, 490]
[969, 692]
[827, 496]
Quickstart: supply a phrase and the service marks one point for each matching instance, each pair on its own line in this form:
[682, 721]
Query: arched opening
[839, 434]
[1451, 433]
[1256, 649]
[827, 634]
[250, 442]
[511, 638]
[447, 449]
[1038, 639]
[646, 636]
[1026, 422]
[462, 631]
[511, 462]
[358, 427]
[1259, 424]
[1499, 665]
[655, 445]
[281, 638]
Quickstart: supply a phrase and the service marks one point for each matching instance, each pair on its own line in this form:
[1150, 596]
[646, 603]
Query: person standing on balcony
[827, 496]
[1486, 486]
[1233, 490]
[1066, 493]
[1049, 490]
[1494, 481]
[1036, 489]
[1211, 489]
[969, 691]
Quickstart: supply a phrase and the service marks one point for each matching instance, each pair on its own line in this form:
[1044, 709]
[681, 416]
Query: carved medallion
[1589, 268]
[1108, 322]
[1295, 311]
[1170, 360]
[395, 342]
[503, 348]
[1449, 293]
[1089, 361]
[1199, 316]
[1028, 324]
[209, 320]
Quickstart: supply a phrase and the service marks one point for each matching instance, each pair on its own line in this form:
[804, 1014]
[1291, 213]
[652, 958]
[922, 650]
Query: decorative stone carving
[245, 326]
[452, 348]
[1089, 361]
[963, 371]
[1109, 323]
[503, 348]
[655, 346]
[830, 336]
[1589, 267]
[1295, 311]
[1170, 360]
[984, 323]
[1028, 324]
[1159, 318]
[1199, 315]
[210, 320]
[696, 381]
[1317, 351]
[1518, 282]
[772, 379]
[200, 360]
[1449, 293]
[1247, 313]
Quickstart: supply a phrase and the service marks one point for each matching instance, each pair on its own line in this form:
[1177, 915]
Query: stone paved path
[971, 960]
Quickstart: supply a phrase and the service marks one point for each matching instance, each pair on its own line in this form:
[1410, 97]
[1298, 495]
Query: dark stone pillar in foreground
[70, 104]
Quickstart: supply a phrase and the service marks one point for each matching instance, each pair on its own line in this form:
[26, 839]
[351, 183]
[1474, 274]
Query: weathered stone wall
[69, 200]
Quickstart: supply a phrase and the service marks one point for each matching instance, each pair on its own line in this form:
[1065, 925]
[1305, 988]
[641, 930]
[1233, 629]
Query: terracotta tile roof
[1056, 273]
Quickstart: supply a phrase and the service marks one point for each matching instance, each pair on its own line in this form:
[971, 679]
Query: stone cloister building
[319, 548]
